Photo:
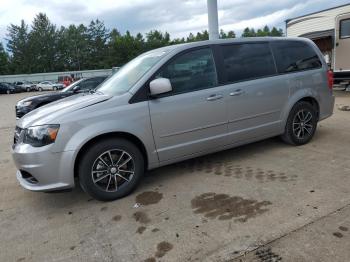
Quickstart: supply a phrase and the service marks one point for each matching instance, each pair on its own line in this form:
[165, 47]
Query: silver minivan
[172, 104]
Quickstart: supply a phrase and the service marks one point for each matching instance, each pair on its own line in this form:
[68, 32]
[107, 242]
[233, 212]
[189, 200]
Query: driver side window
[191, 71]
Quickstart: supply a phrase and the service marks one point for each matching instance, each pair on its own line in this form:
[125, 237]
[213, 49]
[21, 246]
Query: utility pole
[213, 23]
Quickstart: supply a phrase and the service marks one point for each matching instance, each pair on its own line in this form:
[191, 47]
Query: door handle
[237, 92]
[214, 97]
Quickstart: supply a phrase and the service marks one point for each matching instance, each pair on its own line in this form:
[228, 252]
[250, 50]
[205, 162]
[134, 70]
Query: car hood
[49, 113]
[45, 97]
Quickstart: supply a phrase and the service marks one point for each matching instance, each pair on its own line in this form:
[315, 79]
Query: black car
[5, 88]
[28, 104]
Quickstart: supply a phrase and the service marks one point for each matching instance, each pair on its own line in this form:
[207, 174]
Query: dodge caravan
[172, 104]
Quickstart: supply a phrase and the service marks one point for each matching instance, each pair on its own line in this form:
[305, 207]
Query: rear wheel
[40, 89]
[111, 169]
[8, 91]
[301, 124]
[28, 89]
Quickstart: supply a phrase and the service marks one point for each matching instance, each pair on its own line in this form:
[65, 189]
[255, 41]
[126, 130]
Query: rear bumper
[327, 107]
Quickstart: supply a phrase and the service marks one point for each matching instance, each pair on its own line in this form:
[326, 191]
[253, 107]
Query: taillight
[330, 78]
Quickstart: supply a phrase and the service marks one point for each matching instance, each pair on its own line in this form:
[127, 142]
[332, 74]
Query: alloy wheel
[112, 169]
[303, 124]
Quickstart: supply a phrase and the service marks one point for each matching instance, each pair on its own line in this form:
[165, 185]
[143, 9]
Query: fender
[294, 98]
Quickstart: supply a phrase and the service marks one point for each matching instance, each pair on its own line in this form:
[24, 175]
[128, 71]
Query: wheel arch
[130, 137]
[308, 96]
[311, 100]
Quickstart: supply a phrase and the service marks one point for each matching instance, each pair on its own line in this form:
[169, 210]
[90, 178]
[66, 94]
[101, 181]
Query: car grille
[17, 135]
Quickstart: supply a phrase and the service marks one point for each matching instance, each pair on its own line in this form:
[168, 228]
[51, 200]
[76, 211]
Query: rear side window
[292, 56]
[345, 28]
[247, 61]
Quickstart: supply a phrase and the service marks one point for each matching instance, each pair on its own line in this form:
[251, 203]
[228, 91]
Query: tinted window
[295, 56]
[247, 61]
[191, 71]
[345, 28]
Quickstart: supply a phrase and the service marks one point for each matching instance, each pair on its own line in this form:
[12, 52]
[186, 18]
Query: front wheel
[301, 124]
[111, 169]
[8, 92]
[28, 89]
[40, 89]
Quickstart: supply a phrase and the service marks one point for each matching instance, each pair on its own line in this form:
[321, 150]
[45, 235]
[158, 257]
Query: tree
[276, 32]
[247, 32]
[4, 61]
[98, 37]
[17, 45]
[156, 39]
[230, 34]
[43, 41]
[265, 31]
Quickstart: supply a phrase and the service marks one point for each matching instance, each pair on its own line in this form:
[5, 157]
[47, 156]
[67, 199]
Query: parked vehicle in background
[28, 104]
[172, 104]
[49, 86]
[7, 89]
[18, 89]
[26, 86]
[66, 80]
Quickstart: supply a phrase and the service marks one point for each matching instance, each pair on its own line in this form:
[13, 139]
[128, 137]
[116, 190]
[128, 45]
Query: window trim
[142, 93]
[340, 29]
[226, 82]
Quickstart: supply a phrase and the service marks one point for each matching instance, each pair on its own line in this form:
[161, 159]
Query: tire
[101, 184]
[28, 89]
[304, 128]
[54, 88]
[8, 92]
[40, 89]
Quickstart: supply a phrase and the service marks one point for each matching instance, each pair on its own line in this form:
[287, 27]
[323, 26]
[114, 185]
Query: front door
[342, 43]
[192, 118]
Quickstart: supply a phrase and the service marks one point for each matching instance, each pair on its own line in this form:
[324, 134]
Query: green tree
[156, 39]
[4, 61]
[98, 37]
[17, 45]
[229, 34]
[276, 32]
[247, 32]
[43, 42]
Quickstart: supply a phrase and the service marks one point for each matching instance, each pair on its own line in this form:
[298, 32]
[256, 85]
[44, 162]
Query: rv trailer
[330, 30]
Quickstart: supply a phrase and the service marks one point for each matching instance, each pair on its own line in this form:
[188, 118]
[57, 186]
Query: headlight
[38, 136]
[26, 103]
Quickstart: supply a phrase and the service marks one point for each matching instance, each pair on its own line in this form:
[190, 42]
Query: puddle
[224, 207]
[141, 229]
[230, 169]
[117, 218]
[141, 217]
[163, 248]
[266, 255]
[149, 198]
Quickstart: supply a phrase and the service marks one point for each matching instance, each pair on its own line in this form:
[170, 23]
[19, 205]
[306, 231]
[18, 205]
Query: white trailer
[330, 30]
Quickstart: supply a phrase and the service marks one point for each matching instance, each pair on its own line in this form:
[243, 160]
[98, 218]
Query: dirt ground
[266, 201]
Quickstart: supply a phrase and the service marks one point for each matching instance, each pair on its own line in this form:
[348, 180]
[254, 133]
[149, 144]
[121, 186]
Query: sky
[178, 17]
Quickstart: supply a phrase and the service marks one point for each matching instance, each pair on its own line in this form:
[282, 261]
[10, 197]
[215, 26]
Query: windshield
[71, 86]
[127, 76]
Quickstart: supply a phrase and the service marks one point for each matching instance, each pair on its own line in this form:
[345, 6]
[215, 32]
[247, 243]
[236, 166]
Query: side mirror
[160, 86]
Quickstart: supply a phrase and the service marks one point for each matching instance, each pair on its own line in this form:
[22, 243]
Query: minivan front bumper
[39, 169]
